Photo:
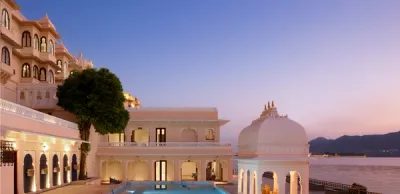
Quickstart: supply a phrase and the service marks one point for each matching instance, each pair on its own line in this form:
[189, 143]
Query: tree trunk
[84, 130]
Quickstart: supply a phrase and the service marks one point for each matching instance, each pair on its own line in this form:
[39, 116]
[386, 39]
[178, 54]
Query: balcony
[28, 52]
[18, 118]
[165, 148]
[37, 96]
[48, 57]
[10, 36]
[6, 71]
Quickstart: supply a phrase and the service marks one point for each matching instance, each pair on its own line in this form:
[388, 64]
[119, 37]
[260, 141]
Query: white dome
[272, 135]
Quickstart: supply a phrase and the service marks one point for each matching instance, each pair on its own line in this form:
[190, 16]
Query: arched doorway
[112, 169]
[189, 171]
[74, 165]
[28, 173]
[140, 136]
[248, 175]
[138, 170]
[269, 182]
[43, 171]
[293, 179]
[65, 168]
[56, 170]
[189, 135]
[214, 171]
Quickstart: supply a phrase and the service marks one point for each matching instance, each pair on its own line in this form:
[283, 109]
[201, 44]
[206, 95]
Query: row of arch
[37, 74]
[38, 44]
[139, 170]
[142, 135]
[29, 173]
[247, 183]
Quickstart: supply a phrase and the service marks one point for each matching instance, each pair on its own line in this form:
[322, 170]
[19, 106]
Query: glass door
[161, 136]
[160, 170]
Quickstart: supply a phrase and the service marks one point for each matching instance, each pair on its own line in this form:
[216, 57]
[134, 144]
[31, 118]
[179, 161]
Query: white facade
[277, 146]
[167, 144]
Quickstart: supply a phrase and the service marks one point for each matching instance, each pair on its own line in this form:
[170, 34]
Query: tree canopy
[95, 96]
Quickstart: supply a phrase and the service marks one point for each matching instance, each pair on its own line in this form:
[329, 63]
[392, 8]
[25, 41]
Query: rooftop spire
[269, 105]
[273, 104]
[265, 107]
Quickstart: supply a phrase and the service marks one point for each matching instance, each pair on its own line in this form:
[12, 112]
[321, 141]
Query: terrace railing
[164, 144]
[10, 107]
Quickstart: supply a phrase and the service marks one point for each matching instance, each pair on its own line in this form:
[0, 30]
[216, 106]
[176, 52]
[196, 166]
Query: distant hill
[372, 145]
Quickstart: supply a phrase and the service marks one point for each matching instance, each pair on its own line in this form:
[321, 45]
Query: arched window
[43, 44]
[51, 47]
[26, 70]
[42, 74]
[51, 77]
[35, 72]
[5, 19]
[5, 55]
[65, 67]
[59, 65]
[26, 39]
[36, 42]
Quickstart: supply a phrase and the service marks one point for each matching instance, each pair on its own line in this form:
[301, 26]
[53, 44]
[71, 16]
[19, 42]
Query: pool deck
[86, 189]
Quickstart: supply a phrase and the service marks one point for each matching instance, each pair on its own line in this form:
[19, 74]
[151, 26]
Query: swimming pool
[153, 187]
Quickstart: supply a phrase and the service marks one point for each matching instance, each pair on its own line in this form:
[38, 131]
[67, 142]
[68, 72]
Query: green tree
[95, 97]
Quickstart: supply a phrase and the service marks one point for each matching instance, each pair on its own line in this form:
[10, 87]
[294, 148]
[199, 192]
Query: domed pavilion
[274, 147]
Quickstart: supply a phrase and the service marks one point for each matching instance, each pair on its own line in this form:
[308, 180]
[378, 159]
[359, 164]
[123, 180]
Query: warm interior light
[66, 148]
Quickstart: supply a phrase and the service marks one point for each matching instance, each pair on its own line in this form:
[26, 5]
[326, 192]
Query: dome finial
[269, 105]
[273, 104]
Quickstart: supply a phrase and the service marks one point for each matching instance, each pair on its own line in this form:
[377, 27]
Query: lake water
[377, 174]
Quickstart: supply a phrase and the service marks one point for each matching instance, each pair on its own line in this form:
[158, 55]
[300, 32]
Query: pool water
[190, 187]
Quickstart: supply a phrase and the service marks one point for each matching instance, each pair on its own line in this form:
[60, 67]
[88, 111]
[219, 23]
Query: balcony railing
[10, 107]
[37, 96]
[165, 144]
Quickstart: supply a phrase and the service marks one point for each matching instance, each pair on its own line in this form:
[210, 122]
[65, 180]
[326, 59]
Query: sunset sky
[333, 66]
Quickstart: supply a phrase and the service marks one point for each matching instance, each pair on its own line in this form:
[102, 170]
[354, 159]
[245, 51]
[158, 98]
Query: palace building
[40, 141]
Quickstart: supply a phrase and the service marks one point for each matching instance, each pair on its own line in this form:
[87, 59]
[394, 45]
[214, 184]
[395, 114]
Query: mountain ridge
[379, 145]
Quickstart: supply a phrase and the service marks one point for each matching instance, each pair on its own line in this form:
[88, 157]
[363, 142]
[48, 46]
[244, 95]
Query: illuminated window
[51, 76]
[26, 70]
[59, 65]
[35, 72]
[161, 170]
[43, 44]
[51, 47]
[36, 42]
[5, 19]
[210, 134]
[42, 74]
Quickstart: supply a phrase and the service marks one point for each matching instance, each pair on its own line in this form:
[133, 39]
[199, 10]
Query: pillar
[240, 180]
[305, 180]
[258, 182]
[124, 170]
[281, 183]
[36, 168]
[275, 176]
[293, 182]
[177, 168]
[203, 170]
[245, 186]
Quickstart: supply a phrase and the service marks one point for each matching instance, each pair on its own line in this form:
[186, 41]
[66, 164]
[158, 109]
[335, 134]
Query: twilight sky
[333, 66]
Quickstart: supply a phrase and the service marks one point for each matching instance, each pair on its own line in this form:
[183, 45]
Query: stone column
[275, 187]
[258, 183]
[36, 168]
[124, 170]
[203, 170]
[240, 181]
[293, 182]
[245, 182]
[177, 170]
[281, 183]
